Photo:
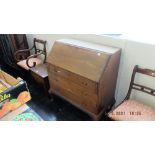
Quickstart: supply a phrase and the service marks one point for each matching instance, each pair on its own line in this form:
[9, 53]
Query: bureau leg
[99, 116]
[95, 118]
[111, 104]
[51, 96]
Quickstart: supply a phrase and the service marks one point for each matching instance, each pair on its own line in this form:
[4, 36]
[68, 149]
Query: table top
[40, 70]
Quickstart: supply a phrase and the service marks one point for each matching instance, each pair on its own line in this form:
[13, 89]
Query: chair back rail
[148, 72]
[37, 51]
[139, 87]
[143, 89]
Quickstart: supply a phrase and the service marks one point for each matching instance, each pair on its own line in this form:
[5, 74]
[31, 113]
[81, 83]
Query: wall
[132, 53]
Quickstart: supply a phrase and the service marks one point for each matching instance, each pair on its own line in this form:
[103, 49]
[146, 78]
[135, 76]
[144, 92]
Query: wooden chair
[132, 110]
[27, 62]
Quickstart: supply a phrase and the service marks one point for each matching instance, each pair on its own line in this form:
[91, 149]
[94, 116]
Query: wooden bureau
[84, 74]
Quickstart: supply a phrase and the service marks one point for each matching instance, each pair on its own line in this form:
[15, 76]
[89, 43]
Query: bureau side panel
[108, 81]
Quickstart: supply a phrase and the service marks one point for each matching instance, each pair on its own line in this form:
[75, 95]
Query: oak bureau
[84, 74]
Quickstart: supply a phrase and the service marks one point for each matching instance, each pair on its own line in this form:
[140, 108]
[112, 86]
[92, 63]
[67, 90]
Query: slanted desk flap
[85, 59]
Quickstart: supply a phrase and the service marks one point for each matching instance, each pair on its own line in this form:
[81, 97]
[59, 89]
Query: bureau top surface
[89, 45]
[85, 59]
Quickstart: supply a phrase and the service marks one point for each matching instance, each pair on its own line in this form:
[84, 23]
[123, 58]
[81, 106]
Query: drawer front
[83, 82]
[75, 94]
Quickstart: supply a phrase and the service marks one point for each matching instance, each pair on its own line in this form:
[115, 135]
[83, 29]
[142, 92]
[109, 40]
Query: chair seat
[23, 64]
[132, 110]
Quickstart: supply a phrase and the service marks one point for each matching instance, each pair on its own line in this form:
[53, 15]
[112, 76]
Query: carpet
[28, 115]
[23, 113]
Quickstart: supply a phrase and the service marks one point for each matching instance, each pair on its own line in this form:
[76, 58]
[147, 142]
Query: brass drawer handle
[84, 83]
[55, 80]
[69, 90]
[57, 71]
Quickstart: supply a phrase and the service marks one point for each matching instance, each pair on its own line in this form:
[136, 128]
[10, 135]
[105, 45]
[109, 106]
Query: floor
[57, 110]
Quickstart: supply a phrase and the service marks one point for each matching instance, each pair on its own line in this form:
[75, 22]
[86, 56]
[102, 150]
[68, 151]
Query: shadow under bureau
[84, 74]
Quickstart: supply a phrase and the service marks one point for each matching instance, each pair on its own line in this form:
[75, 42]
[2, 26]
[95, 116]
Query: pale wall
[132, 53]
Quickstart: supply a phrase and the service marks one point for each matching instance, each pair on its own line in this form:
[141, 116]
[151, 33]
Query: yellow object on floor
[2, 87]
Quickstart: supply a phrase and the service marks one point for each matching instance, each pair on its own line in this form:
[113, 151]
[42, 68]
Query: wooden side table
[40, 75]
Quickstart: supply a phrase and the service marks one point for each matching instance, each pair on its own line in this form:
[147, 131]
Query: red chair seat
[23, 64]
[132, 110]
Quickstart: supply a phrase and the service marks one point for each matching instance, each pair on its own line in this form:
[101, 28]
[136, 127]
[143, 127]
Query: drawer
[75, 94]
[71, 86]
[83, 82]
[79, 101]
